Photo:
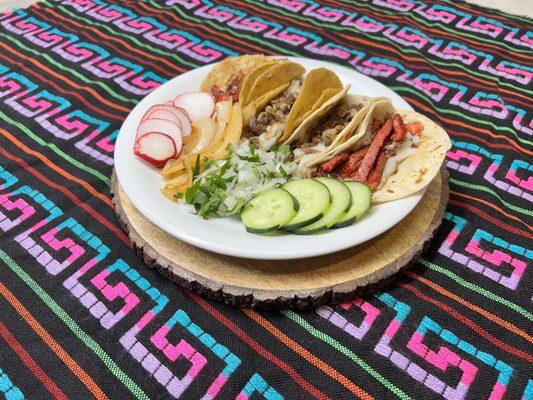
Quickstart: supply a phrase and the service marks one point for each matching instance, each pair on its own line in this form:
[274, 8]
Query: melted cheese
[403, 151]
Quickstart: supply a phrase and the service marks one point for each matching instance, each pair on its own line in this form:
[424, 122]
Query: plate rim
[242, 252]
[301, 299]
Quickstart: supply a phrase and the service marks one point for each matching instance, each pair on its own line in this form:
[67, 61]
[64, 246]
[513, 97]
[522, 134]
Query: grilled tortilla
[395, 152]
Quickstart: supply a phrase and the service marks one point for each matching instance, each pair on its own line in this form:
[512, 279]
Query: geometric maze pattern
[27, 207]
[70, 70]
[484, 261]
[513, 183]
[454, 352]
[257, 384]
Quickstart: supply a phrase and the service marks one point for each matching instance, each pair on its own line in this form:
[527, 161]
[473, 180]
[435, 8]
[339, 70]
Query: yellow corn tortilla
[314, 85]
[249, 80]
[221, 72]
[272, 78]
[325, 96]
[252, 109]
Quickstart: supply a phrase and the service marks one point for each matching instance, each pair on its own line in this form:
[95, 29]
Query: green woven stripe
[74, 327]
[477, 289]
[70, 70]
[487, 190]
[232, 32]
[55, 149]
[347, 352]
[446, 64]
[150, 48]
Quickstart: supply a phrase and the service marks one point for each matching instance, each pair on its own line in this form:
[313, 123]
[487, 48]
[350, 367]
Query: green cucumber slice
[361, 203]
[268, 210]
[314, 200]
[341, 201]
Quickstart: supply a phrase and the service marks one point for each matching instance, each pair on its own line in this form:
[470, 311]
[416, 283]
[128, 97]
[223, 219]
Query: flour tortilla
[412, 169]
[347, 134]
[319, 85]
[418, 170]
[360, 134]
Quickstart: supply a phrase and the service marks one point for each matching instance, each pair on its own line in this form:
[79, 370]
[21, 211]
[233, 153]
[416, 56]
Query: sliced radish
[196, 104]
[155, 148]
[155, 108]
[163, 114]
[163, 111]
[172, 129]
[184, 120]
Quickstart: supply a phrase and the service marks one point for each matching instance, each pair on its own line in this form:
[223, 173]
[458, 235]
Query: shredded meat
[232, 89]
[310, 150]
[278, 110]
[332, 124]
[366, 164]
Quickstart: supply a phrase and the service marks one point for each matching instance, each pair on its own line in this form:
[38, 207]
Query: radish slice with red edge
[162, 111]
[185, 121]
[169, 128]
[163, 114]
[196, 104]
[156, 148]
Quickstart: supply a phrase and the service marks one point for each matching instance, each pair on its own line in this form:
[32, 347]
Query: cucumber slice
[361, 203]
[314, 200]
[268, 210]
[341, 201]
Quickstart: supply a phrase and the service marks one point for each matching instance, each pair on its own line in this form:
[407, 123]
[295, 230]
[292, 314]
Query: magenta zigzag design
[132, 78]
[443, 359]
[56, 115]
[495, 258]
[521, 188]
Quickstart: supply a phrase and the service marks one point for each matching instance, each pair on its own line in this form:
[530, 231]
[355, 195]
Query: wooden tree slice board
[299, 284]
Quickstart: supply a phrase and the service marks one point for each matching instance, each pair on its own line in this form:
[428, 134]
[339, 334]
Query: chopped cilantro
[227, 184]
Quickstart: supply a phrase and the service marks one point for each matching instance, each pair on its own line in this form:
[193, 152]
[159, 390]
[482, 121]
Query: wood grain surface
[300, 283]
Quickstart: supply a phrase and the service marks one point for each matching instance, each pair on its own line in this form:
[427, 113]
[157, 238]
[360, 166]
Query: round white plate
[141, 184]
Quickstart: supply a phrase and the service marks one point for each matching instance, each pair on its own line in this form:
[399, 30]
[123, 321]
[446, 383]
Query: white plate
[141, 184]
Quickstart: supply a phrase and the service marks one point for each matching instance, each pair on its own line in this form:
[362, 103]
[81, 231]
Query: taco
[396, 153]
[327, 128]
[225, 79]
[275, 112]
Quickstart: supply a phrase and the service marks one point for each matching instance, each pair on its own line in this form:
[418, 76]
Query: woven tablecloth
[82, 317]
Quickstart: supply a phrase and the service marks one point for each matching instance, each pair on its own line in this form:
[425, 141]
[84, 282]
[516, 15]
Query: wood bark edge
[298, 299]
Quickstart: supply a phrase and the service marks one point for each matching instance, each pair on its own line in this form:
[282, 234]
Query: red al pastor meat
[368, 163]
